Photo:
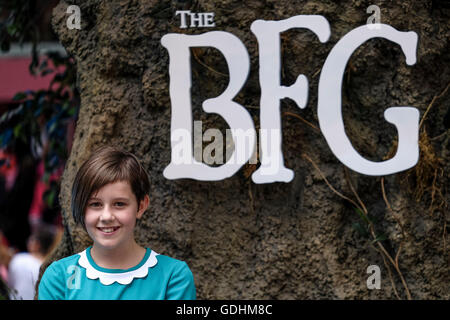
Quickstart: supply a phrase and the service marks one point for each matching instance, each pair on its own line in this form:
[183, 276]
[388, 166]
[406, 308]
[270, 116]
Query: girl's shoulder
[180, 280]
[169, 261]
[69, 260]
[66, 261]
[54, 282]
[174, 268]
[171, 264]
[63, 264]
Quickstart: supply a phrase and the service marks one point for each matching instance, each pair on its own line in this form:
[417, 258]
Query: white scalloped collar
[116, 275]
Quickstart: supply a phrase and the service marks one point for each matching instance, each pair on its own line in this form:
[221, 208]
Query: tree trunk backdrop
[305, 239]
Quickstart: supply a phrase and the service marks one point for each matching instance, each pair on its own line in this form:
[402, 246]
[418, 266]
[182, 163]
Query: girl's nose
[106, 215]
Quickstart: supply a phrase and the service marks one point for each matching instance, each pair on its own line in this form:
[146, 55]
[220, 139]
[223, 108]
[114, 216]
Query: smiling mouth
[108, 229]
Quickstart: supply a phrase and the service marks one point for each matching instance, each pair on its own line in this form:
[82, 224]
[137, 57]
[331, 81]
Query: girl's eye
[95, 204]
[120, 204]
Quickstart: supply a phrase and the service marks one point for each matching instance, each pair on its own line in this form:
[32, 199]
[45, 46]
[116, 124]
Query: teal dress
[78, 277]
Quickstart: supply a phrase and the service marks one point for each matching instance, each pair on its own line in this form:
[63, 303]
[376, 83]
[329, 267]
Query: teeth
[108, 230]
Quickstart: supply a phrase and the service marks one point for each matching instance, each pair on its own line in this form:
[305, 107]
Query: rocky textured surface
[279, 241]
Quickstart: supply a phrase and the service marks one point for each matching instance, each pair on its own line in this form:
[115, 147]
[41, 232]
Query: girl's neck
[123, 257]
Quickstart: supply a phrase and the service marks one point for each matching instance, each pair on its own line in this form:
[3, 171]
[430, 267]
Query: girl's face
[111, 215]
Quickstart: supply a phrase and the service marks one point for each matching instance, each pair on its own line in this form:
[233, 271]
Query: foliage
[42, 113]
[20, 24]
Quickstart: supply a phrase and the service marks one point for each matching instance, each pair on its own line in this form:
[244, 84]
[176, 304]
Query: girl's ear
[143, 205]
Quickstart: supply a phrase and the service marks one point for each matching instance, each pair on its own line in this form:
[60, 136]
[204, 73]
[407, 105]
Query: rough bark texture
[278, 241]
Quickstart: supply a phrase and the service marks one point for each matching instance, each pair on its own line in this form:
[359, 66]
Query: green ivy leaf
[380, 237]
[71, 112]
[363, 216]
[19, 96]
[360, 229]
[46, 177]
[50, 198]
[12, 29]
[17, 130]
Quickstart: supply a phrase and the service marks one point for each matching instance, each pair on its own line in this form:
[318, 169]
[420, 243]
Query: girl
[109, 193]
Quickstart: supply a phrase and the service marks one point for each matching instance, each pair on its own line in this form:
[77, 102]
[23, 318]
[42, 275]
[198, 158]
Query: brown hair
[44, 236]
[107, 165]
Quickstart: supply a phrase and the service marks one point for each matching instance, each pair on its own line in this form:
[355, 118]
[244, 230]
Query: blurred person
[5, 257]
[14, 220]
[24, 266]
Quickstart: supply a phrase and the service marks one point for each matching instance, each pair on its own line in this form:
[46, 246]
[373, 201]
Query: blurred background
[38, 111]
